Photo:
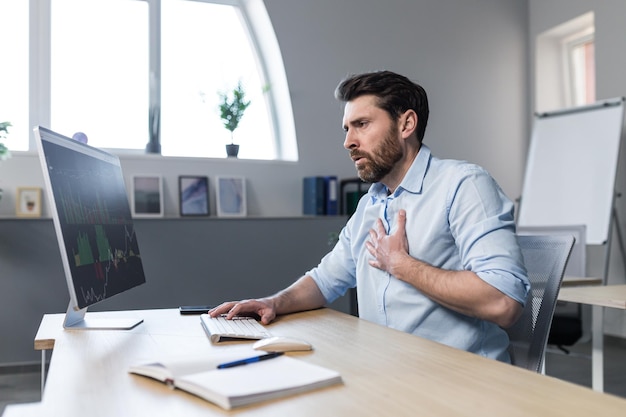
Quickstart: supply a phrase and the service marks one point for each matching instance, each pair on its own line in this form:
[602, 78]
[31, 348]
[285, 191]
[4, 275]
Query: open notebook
[240, 385]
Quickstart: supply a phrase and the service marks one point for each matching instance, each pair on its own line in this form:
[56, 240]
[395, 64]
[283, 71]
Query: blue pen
[249, 360]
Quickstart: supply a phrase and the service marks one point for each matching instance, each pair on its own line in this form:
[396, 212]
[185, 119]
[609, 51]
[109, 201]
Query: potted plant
[4, 151]
[4, 130]
[232, 107]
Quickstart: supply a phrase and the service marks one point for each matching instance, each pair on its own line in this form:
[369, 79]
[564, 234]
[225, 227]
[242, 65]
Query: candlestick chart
[98, 232]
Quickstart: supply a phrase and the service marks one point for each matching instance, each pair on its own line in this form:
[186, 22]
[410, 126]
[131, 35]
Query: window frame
[552, 70]
[569, 44]
[264, 43]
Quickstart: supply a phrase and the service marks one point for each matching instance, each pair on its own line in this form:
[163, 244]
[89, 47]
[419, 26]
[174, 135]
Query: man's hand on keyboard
[264, 308]
[302, 295]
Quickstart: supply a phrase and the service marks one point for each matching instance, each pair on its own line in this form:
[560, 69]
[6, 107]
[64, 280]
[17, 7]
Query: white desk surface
[23, 410]
[599, 297]
[571, 281]
[613, 296]
[385, 372]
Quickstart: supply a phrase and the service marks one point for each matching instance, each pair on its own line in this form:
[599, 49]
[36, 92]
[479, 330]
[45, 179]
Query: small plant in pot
[4, 130]
[4, 151]
[232, 107]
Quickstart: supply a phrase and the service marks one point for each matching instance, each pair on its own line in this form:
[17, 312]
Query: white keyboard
[219, 329]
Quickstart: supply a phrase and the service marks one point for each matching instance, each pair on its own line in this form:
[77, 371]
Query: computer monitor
[93, 224]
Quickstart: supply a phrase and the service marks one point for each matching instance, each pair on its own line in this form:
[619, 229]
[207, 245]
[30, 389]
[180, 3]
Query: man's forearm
[462, 291]
[302, 295]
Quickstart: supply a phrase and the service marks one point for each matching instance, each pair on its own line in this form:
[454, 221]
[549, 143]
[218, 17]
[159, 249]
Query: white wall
[474, 57]
[470, 55]
[610, 32]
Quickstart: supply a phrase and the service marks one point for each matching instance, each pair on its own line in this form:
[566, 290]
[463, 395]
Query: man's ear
[408, 123]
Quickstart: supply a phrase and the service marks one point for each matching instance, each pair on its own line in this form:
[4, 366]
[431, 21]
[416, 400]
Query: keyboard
[219, 329]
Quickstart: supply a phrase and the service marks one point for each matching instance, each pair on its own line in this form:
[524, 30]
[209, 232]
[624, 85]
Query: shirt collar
[412, 181]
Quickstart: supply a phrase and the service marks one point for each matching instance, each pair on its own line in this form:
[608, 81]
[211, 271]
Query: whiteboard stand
[620, 241]
[571, 171]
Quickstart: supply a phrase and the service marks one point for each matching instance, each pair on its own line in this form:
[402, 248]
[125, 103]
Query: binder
[331, 195]
[313, 202]
[351, 190]
[320, 195]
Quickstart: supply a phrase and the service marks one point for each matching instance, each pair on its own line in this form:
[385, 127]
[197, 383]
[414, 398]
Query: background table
[613, 296]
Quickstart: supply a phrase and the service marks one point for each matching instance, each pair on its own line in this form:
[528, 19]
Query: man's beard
[382, 160]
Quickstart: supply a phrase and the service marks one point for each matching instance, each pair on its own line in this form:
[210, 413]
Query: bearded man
[431, 248]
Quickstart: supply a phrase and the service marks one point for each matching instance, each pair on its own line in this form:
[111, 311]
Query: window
[106, 67]
[192, 74]
[14, 73]
[565, 65]
[580, 61]
[99, 71]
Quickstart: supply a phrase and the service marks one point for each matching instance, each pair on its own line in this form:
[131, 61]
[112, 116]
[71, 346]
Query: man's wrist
[271, 302]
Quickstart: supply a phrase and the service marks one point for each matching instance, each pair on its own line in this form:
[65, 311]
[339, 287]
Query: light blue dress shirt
[457, 218]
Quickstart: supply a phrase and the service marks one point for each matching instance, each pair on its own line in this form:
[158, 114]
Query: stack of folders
[320, 196]
[234, 386]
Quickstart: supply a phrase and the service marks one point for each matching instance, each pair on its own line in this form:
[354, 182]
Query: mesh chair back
[545, 258]
[567, 322]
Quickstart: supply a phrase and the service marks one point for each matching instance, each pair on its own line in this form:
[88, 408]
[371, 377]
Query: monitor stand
[75, 320]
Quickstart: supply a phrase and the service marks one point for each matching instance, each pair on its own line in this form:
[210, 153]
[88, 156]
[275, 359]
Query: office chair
[567, 321]
[545, 258]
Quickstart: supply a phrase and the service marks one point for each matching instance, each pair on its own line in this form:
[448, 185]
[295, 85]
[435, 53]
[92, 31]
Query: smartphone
[194, 309]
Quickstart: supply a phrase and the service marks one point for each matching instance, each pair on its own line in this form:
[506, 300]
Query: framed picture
[193, 195]
[231, 196]
[28, 202]
[147, 196]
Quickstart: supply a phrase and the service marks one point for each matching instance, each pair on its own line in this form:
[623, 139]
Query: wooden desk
[385, 372]
[570, 281]
[613, 296]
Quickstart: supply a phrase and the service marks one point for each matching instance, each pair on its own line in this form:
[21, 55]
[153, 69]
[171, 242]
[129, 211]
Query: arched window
[14, 73]
[126, 72]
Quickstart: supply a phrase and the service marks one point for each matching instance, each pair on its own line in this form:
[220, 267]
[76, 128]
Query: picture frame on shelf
[147, 195]
[230, 194]
[28, 202]
[193, 195]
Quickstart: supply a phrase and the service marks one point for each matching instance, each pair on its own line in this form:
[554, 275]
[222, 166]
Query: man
[431, 248]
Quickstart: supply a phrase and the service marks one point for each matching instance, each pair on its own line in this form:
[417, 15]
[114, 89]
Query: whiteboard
[571, 169]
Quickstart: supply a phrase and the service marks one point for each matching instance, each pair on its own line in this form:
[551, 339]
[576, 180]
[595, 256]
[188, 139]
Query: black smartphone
[194, 309]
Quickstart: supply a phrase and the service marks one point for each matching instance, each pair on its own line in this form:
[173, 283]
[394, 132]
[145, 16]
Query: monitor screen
[92, 219]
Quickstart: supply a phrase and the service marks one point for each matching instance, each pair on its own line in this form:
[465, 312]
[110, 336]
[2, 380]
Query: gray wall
[474, 57]
[186, 261]
[469, 55]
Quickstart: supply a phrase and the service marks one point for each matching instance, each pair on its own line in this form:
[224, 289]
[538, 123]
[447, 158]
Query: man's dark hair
[395, 94]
